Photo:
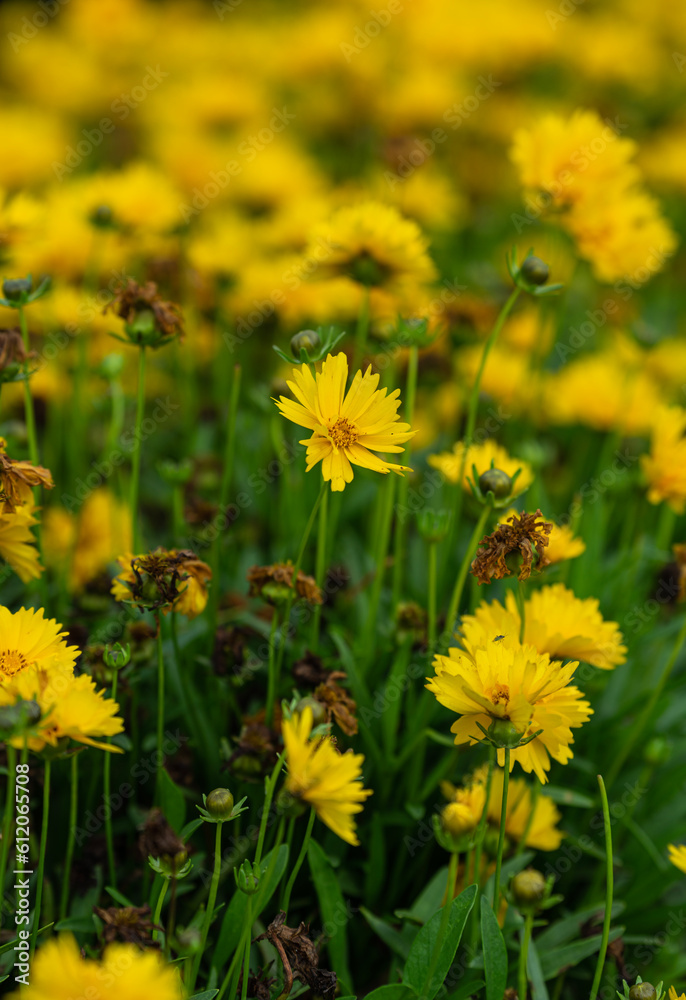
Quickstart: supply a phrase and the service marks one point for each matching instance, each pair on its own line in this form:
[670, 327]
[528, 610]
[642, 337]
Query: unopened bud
[497, 482]
[535, 271]
[306, 340]
[219, 803]
[528, 888]
[642, 991]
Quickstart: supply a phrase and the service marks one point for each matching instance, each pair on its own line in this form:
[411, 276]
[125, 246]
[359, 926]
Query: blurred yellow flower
[18, 543]
[665, 467]
[677, 855]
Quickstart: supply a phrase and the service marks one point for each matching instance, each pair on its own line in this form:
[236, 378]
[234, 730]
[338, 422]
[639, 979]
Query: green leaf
[566, 928]
[557, 959]
[428, 901]
[190, 828]
[334, 912]
[393, 991]
[535, 975]
[468, 988]
[172, 801]
[389, 935]
[118, 897]
[82, 925]
[422, 963]
[234, 918]
[566, 797]
[495, 952]
[205, 995]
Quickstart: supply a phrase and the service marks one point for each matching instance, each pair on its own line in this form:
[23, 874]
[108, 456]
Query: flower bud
[101, 217]
[16, 289]
[219, 803]
[642, 991]
[504, 733]
[247, 877]
[535, 271]
[657, 751]
[111, 367]
[457, 819]
[497, 481]
[528, 888]
[434, 525]
[306, 340]
[318, 711]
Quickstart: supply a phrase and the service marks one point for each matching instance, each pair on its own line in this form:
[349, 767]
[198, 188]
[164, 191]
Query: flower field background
[342, 492]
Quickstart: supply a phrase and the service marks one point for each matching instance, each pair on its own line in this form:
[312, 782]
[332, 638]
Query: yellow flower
[516, 684]
[673, 994]
[481, 455]
[347, 427]
[323, 777]
[59, 972]
[677, 855]
[462, 814]
[71, 708]
[665, 467]
[17, 542]
[28, 639]
[373, 244]
[556, 623]
[164, 579]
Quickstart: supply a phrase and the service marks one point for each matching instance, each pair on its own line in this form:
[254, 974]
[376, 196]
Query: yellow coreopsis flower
[59, 972]
[481, 456]
[677, 855]
[673, 994]
[27, 639]
[516, 684]
[17, 542]
[556, 623]
[322, 776]
[665, 467]
[347, 427]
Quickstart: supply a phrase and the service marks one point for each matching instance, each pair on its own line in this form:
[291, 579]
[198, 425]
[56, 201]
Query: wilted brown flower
[149, 319]
[158, 839]
[337, 702]
[164, 579]
[13, 355]
[299, 958]
[274, 583]
[256, 749]
[523, 534]
[16, 479]
[310, 670]
[131, 924]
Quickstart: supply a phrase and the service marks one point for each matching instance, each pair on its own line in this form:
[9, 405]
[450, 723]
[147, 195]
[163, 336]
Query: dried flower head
[162, 580]
[131, 924]
[13, 355]
[299, 957]
[274, 584]
[148, 320]
[523, 534]
[16, 479]
[158, 839]
[337, 702]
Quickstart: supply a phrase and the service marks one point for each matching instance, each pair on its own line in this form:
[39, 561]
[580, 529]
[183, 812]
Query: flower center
[343, 433]
[11, 662]
[500, 694]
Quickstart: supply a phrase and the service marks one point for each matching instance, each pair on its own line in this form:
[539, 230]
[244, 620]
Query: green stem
[530, 819]
[160, 711]
[106, 789]
[296, 570]
[608, 892]
[8, 816]
[298, 863]
[320, 566]
[432, 595]
[521, 607]
[136, 456]
[71, 836]
[665, 528]
[384, 535]
[451, 619]
[479, 840]
[271, 670]
[361, 330]
[638, 727]
[41, 854]
[501, 835]
[248, 942]
[210, 905]
[29, 414]
[270, 786]
[177, 513]
[158, 909]
[445, 917]
[399, 550]
[523, 981]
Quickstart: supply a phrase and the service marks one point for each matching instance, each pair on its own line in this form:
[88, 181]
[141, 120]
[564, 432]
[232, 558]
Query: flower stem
[399, 550]
[29, 414]
[665, 528]
[248, 942]
[523, 982]
[41, 854]
[608, 891]
[384, 535]
[160, 711]
[8, 815]
[361, 330]
[210, 905]
[643, 719]
[106, 790]
[270, 785]
[501, 835]
[71, 835]
[432, 595]
[521, 607]
[158, 908]
[451, 619]
[530, 819]
[298, 863]
[136, 456]
[320, 566]
[445, 916]
[224, 487]
[271, 669]
[479, 840]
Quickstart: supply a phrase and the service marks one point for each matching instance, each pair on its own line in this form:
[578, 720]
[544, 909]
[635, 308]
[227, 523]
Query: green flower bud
[247, 877]
[497, 481]
[306, 340]
[535, 271]
[219, 803]
[16, 289]
[318, 711]
[642, 991]
[434, 524]
[504, 733]
[528, 888]
[657, 751]
[111, 367]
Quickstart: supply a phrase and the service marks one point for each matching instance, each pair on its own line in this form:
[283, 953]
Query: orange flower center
[12, 662]
[500, 694]
[343, 433]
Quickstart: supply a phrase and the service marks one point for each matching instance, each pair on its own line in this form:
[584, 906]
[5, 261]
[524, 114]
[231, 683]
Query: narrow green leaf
[205, 995]
[117, 896]
[566, 797]
[389, 935]
[422, 954]
[393, 991]
[557, 959]
[333, 909]
[535, 975]
[566, 928]
[495, 952]
[172, 801]
[81, 925]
